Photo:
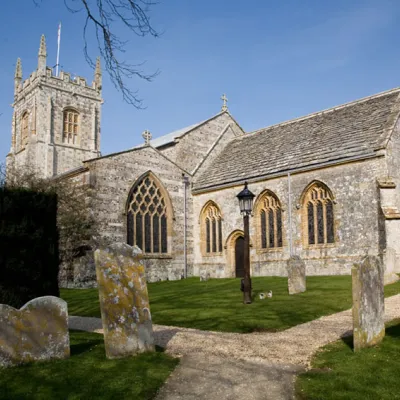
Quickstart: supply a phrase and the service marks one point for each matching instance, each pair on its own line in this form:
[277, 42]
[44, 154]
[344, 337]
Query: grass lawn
[217, 304]
[87, 374]
[339, 373]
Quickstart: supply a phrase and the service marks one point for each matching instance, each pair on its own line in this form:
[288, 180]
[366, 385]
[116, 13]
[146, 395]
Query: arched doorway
[239, 257]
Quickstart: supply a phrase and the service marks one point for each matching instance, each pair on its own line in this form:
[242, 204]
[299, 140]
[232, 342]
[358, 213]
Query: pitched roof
[352, 130]
[170, 137]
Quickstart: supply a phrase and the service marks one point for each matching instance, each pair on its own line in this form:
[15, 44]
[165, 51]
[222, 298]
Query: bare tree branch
[103, 16]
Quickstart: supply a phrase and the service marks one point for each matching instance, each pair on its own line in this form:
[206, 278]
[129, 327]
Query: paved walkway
[231, 365]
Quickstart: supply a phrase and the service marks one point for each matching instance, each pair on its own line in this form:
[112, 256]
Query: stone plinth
[36, 332]
[368, 303]
[124, 302]
[296, 269]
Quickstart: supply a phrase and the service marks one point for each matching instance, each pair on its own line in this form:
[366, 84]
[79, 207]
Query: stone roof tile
[355, 129]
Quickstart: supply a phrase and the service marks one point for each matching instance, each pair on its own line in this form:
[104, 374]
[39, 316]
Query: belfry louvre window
[71, 126]
[319, 216]
[269, 213]
[147, 217]
[212, 229]
[24, 129]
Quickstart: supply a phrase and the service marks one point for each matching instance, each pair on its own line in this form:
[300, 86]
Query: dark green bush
[29, 259]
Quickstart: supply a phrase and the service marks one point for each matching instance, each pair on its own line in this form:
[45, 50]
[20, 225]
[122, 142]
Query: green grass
[339, 373]
[87, 374]
[217, 304]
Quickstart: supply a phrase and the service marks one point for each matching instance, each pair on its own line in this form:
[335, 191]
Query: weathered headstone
[204, 276]
[296, 269]
[389, 262]
[368, 303]
[124, 301]
[36, 332]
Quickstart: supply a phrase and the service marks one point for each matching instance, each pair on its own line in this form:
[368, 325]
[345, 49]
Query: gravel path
[292, 346]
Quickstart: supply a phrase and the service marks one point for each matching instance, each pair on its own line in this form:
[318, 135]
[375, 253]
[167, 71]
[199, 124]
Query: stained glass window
[147, 217]
[270, 222]
[71, 126]
[310, 223]
[212, 224]
[320, 216]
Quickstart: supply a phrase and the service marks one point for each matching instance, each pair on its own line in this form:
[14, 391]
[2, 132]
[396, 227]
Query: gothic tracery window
[24, 129]
[212, 229]
[269, 213]
[71, 126]
[147, 217]
[319, 215]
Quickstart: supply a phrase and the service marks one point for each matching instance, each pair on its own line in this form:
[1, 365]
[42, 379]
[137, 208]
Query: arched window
[269, 221]
[148, 217]
[211, 225]
[24, 129]
[71, 126]
[318, 215]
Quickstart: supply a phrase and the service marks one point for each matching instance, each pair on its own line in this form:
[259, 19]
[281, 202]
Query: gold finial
[225, 100]
[147, 137]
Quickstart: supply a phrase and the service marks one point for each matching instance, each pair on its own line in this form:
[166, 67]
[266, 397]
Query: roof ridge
[327, 110]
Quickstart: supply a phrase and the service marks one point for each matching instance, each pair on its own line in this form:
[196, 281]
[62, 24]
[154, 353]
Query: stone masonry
[44, 97]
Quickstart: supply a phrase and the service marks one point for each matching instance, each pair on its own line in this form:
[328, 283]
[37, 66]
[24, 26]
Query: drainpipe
[185, 186]
[290, 215]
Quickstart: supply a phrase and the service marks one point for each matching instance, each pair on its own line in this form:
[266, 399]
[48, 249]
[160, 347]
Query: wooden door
[239, 257]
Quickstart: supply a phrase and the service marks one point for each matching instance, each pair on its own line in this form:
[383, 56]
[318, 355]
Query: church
[326, 184]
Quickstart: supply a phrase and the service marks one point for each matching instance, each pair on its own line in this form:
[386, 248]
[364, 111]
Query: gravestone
[296, 269]
[124, 301]
[204, 276]
[389, 262]
[38, 331]
[368, 303]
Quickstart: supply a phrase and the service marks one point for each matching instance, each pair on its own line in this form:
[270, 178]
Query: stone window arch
[149, 216]
[211, 229]
[269, 226]
[70, 126]
[318, 215]
[24, 129]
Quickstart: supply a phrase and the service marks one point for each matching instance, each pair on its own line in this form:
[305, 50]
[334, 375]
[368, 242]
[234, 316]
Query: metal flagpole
[58, 48]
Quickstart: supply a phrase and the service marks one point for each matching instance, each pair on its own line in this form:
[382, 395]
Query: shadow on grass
[392, 330]
[79, 348]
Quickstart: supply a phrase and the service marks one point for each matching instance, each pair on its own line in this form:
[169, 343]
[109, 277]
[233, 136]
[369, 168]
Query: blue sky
[274, 60]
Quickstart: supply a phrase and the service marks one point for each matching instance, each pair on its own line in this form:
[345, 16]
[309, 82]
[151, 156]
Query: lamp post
[246, 206]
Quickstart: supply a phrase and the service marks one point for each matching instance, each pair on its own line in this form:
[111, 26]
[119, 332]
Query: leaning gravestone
[368, 303]
[36, 332]
[124, 302]
[296, 269]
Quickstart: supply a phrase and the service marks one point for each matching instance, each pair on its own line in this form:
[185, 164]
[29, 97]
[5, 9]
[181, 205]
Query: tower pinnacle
[98, 74]
[42, 56]
[18, 69]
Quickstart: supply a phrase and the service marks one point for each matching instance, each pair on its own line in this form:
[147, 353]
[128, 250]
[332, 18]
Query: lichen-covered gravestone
[36, 332]
[124, 302]
[368, 303]
[296, 269]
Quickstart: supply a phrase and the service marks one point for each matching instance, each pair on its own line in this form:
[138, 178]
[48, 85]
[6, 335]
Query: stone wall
[356, 211]
[113, 177]
[192, 148]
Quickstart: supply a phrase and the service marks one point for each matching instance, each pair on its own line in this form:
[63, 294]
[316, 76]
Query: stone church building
[326, 185]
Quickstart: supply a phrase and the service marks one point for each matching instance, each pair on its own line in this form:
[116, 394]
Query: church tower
[56, 119]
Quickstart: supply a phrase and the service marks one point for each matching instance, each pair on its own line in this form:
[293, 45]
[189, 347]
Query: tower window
[71, 126]
[24, 129]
